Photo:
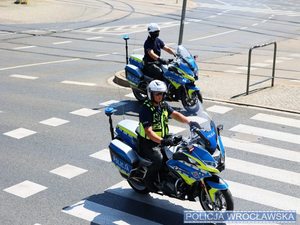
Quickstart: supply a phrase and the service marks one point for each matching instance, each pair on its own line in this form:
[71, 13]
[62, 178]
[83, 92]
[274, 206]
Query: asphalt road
[56, 80]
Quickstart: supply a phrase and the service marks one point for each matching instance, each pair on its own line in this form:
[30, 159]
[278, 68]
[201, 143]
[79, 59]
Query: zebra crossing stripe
[172, 204]
[277, 135]
[100, 214]
[264, 197]
[263, 171]
[277, 120]
[261, 149]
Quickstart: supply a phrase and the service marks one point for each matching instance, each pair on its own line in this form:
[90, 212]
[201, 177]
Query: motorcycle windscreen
[187, 57]
[207, 129]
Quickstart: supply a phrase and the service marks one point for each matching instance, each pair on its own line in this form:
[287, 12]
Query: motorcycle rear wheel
[139, 95]
[138, 187]
[223, 201]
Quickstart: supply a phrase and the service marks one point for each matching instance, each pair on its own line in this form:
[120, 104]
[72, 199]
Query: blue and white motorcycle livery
[190, 168]
[180, 76]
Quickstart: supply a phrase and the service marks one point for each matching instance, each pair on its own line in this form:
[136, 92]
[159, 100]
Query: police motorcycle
[180, 76]
[191, 167]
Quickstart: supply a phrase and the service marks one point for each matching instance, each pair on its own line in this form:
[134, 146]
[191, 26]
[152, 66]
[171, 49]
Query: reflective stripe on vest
[159, 122]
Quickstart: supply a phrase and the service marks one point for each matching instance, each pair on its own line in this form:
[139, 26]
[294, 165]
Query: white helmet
[156, 86]
[153, 27]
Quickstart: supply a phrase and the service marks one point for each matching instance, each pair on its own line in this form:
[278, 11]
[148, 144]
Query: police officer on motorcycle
[152, 52]
[153, 129]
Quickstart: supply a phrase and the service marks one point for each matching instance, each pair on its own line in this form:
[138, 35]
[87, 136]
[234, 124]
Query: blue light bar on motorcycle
[109, 111]
[126, 37]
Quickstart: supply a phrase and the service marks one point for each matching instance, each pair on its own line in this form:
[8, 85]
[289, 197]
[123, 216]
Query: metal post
[182, 21]
[274, 62]
[126, 38]
[248, 73]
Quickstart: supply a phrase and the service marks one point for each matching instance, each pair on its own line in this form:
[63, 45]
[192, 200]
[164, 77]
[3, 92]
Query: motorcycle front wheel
[139, 95]
[223, 201]
[138, 187]
[191, 104]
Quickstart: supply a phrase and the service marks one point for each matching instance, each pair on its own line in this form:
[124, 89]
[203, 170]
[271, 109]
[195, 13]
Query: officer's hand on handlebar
[167, 141]
[177, 139]
[194, 124]
[163, 61]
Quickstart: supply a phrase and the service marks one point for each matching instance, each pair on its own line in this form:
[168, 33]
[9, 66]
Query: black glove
[167, 141]
[163, 61]
[194, 124]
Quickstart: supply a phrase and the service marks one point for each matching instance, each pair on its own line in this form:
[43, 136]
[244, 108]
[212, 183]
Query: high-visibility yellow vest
[159, 122]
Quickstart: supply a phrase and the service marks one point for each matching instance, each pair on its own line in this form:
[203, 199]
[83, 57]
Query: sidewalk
[218, 81]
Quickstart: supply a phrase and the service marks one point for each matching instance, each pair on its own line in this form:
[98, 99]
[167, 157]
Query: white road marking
[19, 133]
[271, 61]
[261, 149]
[245, 68]
[112, 102]
[272, 134]
[102, 155]
[68, 171]
[78, 83]
[264, 197]
[213, 35]
[93, 38]
[244, 28]
[130, 95]
[23, 76]
[124, 190]
[264, 21]
[232, 71]
[39, 64]
[219, 109]
[295, 55]
[260, 64]
[54, 122]
[284, 58]
[85, 112]
[24, 47]
[100, 55]
[242, 166]
[100, 214]
[25, 189]
[277, 120]
[61, 42]
[255, 24]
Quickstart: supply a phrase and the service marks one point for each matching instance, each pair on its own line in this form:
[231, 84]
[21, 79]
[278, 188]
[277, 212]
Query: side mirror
[109, 111]
[219, 128]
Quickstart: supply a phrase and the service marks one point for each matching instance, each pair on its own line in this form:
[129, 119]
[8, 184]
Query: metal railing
[249, 66]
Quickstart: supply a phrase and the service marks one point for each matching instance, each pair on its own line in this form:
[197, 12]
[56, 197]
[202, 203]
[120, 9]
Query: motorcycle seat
[144, 162]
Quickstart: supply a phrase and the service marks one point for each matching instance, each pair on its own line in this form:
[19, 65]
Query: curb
[120, 79]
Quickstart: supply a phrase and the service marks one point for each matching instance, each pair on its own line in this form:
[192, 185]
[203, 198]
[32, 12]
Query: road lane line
[271, 173]
[38, 64]
[261, 149]
[61, 42]
[272, 134]
[24, 47]
[100, 214]
[23, 76]
[93, 38]
[277, 120]
[78, 83]
[214, 35]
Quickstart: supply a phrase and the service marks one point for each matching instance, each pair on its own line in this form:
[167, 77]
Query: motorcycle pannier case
[125, 130]
[133, 74]
[122, 156]
[137, 60]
